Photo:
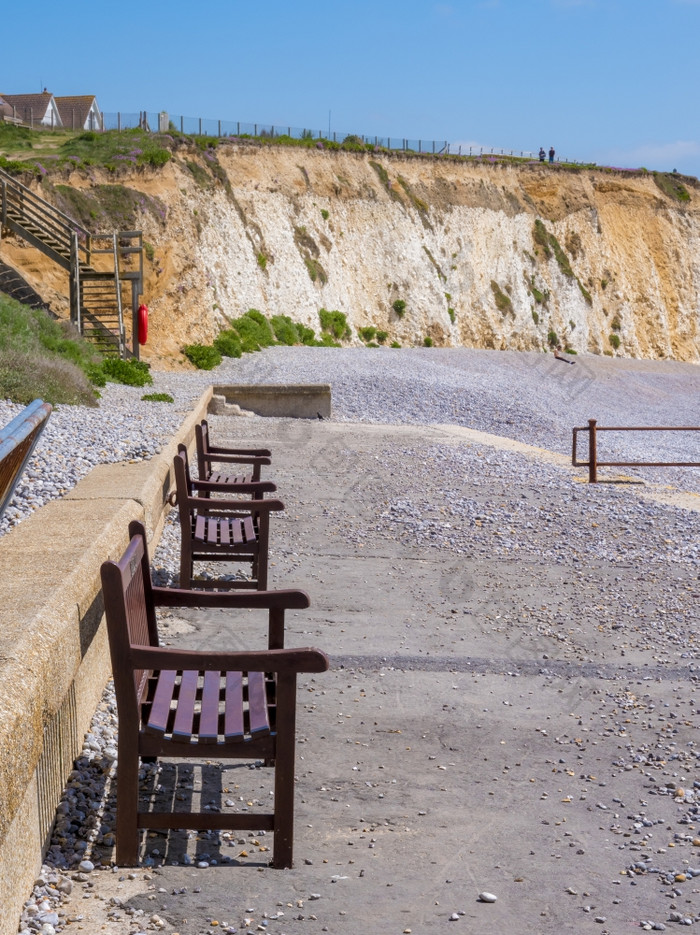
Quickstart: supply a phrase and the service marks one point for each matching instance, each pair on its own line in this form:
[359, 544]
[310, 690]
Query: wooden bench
[208, 455]
[187, 704]
[17, 441]
[221, 528]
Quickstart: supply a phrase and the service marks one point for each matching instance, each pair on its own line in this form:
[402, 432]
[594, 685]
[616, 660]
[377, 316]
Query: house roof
[75, 109]
[37, 103]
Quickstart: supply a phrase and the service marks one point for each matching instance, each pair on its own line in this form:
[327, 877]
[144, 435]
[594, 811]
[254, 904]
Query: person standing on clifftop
[542, 154]
[551, 154]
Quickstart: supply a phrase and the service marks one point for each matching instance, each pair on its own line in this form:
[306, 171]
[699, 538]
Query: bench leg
[127, 806]
[283, 846]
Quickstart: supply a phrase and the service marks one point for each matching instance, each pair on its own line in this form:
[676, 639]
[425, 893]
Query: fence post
[238, 128]
[219, 128]
[200, 126]
[592, 452]
[182, 124]
[420, 144]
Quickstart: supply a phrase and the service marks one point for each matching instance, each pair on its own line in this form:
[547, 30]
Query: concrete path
[456, 746]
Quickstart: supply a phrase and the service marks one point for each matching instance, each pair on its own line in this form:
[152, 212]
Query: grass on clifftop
[41, 358]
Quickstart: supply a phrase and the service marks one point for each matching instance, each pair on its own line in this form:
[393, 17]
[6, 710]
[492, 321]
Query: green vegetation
[552, 338]
[603, 284]
[616, 324]
[427, 341]
[367, 333]
[399, 307]
[108, 206]
[535, 317]
[451, 313]
[382, 336]
[395, 344]
[584, 292]
[671, 185]
[551, 247]
[432, 259]
[315, 270]
[335, 323]
[48, 359]
[254, 331]
[417, 202]
[384, 179]
[158, 398]
[262, 260]
[149, 250]
[203, 356]
[503, 302]
[131, 372]
[614, 340]
[540, 235]
[228, 343]
[325, 214]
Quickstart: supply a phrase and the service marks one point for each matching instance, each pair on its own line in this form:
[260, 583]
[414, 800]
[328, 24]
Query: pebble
[487, 897]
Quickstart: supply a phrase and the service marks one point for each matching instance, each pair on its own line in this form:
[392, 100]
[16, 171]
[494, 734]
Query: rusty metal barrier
[593, 463]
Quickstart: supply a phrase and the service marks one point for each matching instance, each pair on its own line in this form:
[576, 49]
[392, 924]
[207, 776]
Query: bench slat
[233, 718]
[257, 703]
[249, 529]
[184, 716]
[162, 700]
[209, 718]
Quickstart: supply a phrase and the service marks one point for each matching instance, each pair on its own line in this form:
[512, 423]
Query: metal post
[433, 147]
[219, 128]
[238, 128]
[256, 130]
[182, 124]
[592, 452]
[420, 144]
[119, 121]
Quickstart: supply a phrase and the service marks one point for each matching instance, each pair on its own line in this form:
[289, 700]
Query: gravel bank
[529, 397]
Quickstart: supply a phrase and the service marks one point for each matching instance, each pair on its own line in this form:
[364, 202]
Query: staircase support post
[135, 293]
[75, 315]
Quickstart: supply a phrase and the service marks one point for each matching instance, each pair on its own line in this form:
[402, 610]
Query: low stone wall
[54, 657]
[293, 400]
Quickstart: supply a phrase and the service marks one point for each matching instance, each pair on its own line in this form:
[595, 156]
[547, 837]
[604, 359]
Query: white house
[34, 109]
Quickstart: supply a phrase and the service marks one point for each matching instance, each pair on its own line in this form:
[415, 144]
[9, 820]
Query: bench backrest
[201, 432]
[131, 618]
[17, 441]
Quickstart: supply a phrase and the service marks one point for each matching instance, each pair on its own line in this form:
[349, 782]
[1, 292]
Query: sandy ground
[485, 726]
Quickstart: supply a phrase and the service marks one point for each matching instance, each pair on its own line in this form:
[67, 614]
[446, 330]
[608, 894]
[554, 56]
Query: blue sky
[609, 81]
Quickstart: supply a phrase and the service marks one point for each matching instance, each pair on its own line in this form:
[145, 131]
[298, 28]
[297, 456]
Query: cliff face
[482, 255]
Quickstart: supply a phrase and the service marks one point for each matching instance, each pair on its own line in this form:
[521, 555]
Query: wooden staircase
[105, 270]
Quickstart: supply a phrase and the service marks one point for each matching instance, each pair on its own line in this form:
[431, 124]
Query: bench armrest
[156, 658]
[272, 600]
[207, 505]
[234, 459]
[252, 452]
[255, 486]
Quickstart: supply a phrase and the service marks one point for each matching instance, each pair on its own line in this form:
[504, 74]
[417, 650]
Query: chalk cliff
[483, 255]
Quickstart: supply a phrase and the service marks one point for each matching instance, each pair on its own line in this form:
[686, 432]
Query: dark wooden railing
[593, 463]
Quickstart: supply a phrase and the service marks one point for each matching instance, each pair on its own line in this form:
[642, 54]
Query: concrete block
[291, 400]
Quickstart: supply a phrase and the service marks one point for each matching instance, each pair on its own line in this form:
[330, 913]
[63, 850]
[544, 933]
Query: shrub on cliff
[334, 323]
[228, 343]
[254, 331]
[130, 372]
[203, 356]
